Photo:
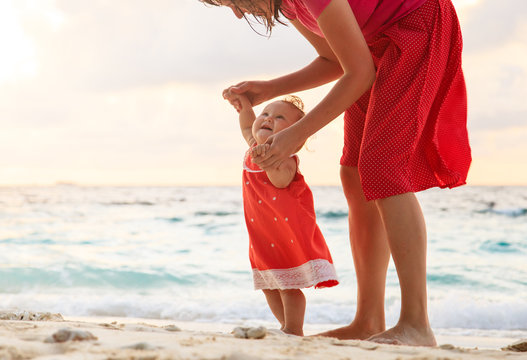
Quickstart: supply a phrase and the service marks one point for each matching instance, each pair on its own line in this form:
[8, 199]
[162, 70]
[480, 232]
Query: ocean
[181, 253]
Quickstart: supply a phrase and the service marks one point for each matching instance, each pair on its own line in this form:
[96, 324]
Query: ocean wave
[16, 280]
[472, 312]
[172, 219]
[215, 213]
[332, 214]
[129, 203]
[452, 279]
[516, 212]
[454, 312]
[27, 241]
[499, 246]
[144, 253]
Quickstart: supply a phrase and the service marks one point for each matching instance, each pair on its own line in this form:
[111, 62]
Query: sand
[51, 336]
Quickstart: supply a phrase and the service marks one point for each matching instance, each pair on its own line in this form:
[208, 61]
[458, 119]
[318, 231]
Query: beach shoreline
[136, 338]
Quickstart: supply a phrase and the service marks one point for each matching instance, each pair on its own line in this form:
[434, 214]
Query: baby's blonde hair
[296, 102]
[299, 105]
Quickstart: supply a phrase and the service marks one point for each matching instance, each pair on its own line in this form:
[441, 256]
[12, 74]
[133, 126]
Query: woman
[399, 81]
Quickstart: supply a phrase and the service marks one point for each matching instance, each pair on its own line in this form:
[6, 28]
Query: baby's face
[275, 116]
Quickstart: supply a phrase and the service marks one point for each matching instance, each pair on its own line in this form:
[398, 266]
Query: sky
[128, 92]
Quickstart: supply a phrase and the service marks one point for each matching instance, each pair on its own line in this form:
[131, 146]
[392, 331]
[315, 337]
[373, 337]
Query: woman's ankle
[369, 324]
[292, 331]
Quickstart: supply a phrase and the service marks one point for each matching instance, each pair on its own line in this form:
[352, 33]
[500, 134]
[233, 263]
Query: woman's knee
[349, 176]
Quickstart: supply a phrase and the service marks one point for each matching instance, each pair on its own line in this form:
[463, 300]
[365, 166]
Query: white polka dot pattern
[285, 241]
[408, 133]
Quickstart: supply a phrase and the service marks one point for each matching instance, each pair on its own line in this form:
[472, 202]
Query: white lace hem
[309, 274]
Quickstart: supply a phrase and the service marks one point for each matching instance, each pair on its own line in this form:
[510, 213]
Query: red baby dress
[286, 248]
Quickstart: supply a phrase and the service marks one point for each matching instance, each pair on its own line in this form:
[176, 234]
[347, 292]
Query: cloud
[499, 156]
[172, 132]
[17, 51]
[128, 91]
[101, 45]
[491, 23]
[495, 49]
[497, 86]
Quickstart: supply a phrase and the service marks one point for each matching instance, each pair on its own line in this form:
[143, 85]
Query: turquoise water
[181, 253]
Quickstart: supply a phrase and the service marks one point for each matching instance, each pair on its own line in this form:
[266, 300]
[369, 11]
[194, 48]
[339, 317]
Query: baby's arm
[281, 176]
[247, 117]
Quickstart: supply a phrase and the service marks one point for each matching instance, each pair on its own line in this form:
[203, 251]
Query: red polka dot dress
[286, 248]
[408, 133]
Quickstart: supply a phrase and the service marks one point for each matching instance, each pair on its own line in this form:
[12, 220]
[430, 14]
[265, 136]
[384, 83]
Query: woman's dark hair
[261, 15]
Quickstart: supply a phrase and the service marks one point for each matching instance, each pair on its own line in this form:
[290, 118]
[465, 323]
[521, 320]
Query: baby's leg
[275, 303]
[294, 309]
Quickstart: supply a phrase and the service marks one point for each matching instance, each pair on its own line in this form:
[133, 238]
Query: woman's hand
[256, 91]
[282, 145]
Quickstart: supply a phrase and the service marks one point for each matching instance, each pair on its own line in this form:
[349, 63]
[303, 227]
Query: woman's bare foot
[297, 332]
[352, 331]
[403, 334]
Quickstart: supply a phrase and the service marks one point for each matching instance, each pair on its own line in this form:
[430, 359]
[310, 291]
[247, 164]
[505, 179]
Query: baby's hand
[239, 101]
[259, 150]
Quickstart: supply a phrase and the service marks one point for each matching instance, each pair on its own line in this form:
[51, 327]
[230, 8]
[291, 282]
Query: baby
[286, 248]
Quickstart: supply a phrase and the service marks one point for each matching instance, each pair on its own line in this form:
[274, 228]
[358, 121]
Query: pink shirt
[373, 16]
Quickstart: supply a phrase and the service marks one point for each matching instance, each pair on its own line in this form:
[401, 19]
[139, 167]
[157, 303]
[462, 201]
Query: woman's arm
[345, 39]
[324, 69]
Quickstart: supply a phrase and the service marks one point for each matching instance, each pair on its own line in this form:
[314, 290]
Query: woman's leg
[294, 310]
[406, 231]
[275, 304]
[370, 255]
